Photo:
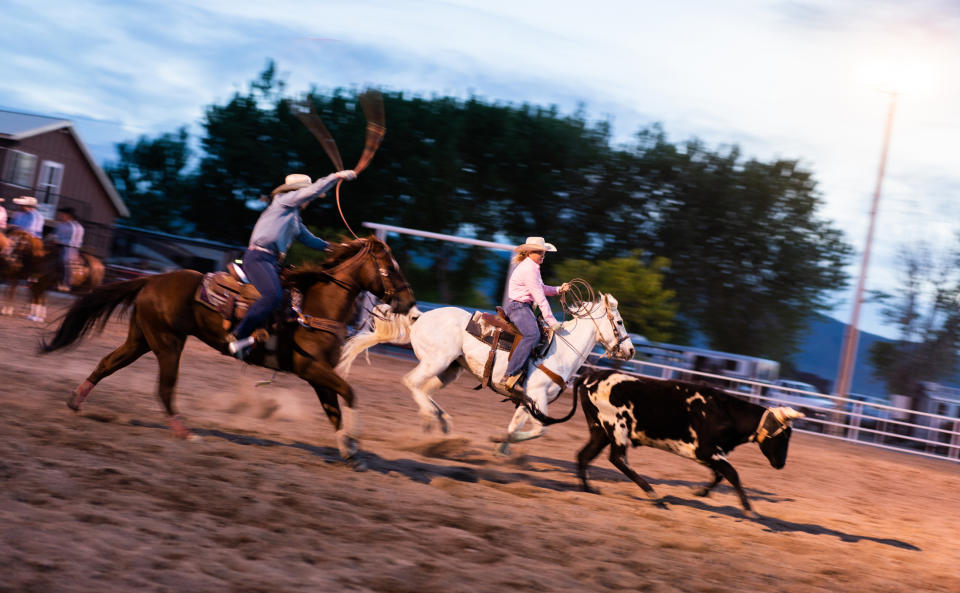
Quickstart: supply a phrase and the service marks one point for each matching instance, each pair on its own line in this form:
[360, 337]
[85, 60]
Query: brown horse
[27, 260]
[165, 313]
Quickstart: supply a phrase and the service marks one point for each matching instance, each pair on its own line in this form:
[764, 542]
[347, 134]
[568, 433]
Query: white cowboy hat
[535, 244]
[26, 201]
[292, 182]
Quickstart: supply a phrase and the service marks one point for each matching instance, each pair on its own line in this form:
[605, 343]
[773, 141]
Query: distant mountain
[819, 355]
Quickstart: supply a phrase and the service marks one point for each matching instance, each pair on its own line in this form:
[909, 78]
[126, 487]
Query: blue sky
[793, 79]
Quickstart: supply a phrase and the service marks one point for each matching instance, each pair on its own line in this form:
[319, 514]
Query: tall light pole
[848, 355]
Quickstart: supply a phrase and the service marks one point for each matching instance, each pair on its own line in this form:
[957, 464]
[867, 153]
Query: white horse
[443, 347]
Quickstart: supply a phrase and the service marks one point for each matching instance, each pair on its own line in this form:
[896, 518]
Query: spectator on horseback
[28, 219]
[525, 288]
[272, 236]
[68, 236]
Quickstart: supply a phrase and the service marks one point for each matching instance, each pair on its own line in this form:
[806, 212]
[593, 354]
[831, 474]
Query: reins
[347, 266]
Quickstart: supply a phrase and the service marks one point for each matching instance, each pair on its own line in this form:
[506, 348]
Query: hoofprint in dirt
[107, 501]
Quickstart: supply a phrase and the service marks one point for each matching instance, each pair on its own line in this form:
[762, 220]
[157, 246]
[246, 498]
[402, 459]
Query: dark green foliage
[749, 257]
[645, 306]
[151, 176]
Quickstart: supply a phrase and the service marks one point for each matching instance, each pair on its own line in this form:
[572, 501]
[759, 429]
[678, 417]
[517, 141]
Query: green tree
[750, 260]
[926, 312]
[646, 306]
[152, 178]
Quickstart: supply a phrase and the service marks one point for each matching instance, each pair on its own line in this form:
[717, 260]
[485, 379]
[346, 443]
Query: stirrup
[512, 384]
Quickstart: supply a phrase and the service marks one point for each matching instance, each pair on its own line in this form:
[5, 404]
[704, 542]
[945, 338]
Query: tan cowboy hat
[292, 182]
[535, 244]
[26, 201]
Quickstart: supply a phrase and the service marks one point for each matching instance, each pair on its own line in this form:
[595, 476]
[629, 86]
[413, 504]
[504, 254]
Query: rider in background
[28, 219]
[69, 237]
[525, 288]
[279, 224]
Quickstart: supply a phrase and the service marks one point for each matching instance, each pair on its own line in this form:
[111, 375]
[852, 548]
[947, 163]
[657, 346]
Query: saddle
[228, 293]
[499, 333]
[231, 294]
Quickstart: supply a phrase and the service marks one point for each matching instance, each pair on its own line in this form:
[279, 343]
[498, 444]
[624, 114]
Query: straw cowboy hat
[292, 182]
[26, 201]
[535, 244]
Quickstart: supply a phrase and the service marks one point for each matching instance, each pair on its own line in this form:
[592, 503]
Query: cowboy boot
[239, 348]
[511, 383]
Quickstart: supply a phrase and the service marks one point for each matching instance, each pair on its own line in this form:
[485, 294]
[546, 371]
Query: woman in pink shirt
[525, 288]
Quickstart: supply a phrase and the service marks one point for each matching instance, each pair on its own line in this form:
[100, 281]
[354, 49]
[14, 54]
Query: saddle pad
[222, 293]
[480, 328]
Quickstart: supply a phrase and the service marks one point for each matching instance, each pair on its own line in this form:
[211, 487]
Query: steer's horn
[785, 414]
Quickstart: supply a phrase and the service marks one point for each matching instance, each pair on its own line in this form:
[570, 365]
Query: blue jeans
[263, 270]
[521, 314]
[68, 255]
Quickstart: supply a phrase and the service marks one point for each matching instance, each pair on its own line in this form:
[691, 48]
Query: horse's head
[377, 272]
[613, 333]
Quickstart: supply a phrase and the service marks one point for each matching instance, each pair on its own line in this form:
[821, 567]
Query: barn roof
[18, 126]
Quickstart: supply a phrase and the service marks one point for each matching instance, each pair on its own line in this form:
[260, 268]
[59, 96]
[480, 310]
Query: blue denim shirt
[30, 221]
[280, 223]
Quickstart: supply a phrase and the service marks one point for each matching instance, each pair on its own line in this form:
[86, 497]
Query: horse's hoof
[502, 450]
[356, 464]
[73, 402]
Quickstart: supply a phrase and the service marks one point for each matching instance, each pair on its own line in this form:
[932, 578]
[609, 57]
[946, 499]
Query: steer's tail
[547, 420]
[92, 310]
[387, 327]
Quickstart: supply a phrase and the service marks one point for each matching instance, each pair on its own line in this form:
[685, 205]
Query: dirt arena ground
[107, 501]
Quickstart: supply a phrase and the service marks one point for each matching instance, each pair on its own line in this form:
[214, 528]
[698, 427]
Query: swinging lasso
[371, 102]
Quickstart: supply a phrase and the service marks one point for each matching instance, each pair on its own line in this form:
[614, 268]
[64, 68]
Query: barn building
[44, 157]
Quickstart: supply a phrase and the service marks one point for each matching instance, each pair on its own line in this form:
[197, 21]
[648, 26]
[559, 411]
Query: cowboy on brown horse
[272, 236]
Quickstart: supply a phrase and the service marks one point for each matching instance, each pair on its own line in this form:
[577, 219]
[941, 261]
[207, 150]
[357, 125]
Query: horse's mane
[302, 278]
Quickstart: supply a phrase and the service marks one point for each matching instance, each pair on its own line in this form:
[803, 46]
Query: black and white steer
[692, 420]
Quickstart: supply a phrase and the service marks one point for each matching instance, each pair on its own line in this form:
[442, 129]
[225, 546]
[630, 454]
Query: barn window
[48, 187]
[20, 168]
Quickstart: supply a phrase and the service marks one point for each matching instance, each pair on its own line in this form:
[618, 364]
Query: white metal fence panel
[856, 419]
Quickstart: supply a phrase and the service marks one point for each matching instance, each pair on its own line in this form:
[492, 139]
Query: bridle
[390, 286]
[618, 336]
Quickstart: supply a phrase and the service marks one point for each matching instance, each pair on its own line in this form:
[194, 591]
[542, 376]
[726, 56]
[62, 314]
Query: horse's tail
[387, 327]
[92, 310]
[547, 420]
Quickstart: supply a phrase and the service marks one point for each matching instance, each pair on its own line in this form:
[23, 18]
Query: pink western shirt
[526, 286]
